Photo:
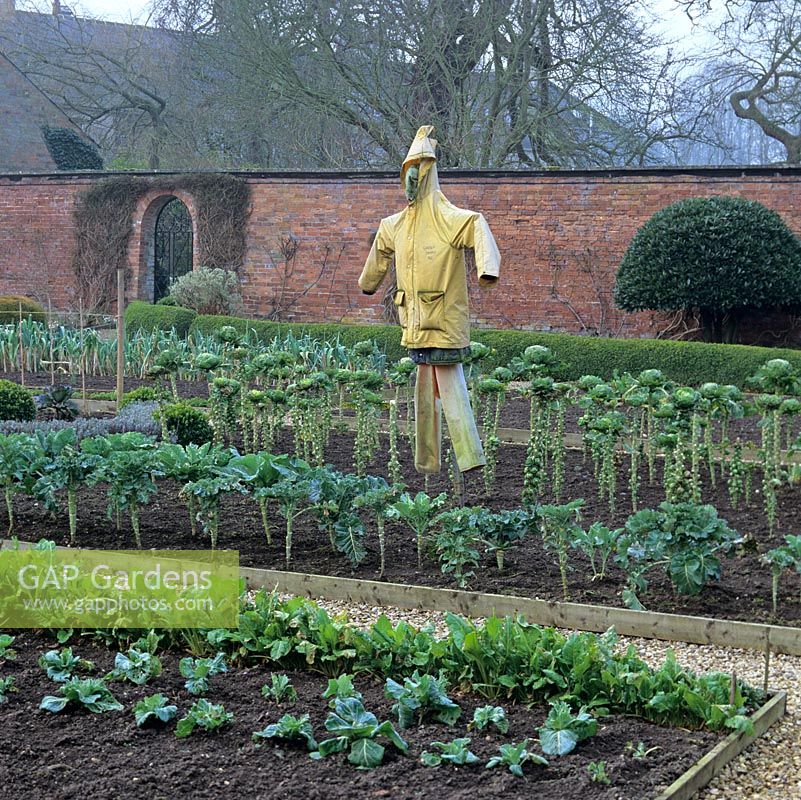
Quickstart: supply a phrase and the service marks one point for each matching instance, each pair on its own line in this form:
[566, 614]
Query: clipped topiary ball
[16, 402]
[187, 424]
[719, 256]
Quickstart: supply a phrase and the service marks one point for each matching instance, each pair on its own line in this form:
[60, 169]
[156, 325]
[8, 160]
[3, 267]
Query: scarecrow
[427, 240]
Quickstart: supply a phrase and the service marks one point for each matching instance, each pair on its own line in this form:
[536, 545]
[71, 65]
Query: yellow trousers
[442, 387]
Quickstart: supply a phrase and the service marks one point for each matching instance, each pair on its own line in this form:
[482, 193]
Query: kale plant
[289, 729]
[455, 752]
[136, 666]
[356, 730]
[61, 665]
[89, 693]
[204, 715]
[423, 696]
[154, 709]
[197, 671]
[515, 756]
[484, 716]
[563, 730]
[340, 688]
[6, 687]
[279, 689]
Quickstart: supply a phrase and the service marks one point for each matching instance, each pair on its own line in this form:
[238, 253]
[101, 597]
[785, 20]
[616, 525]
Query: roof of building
[24, 109]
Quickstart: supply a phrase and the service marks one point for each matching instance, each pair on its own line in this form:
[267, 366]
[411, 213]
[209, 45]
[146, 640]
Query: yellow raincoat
[427, 240]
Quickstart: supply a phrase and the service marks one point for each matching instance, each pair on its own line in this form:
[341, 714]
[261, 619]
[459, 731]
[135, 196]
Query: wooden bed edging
[706, 768]
[645, 624]
[576, 616]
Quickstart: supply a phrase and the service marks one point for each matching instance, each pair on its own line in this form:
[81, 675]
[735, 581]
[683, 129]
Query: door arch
[173, 241]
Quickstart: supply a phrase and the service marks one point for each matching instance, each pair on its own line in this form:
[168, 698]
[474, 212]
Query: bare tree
[110, 78]
[506, 82]
[758, 65]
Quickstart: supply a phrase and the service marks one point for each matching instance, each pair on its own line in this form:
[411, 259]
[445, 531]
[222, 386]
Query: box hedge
[683, 362]
[141, 316]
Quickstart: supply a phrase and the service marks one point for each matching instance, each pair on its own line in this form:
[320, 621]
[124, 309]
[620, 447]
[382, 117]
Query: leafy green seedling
[204, 715]
[7, 652]
[484, 716]
[563, 730]
[639, 751]
[197, 671]
[424, 695]
[6, 687]
[61, 665]
[339, 688]
[136, 666]
[782, 558]
[597, 770]
[356, 730]
[154, 708]
[279, 689]
[515, 756]
[89, 693]
[454, 752]
[289, 729]
[417, 512]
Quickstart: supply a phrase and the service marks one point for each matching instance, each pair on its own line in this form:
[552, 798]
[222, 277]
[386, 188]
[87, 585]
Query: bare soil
[86, 756]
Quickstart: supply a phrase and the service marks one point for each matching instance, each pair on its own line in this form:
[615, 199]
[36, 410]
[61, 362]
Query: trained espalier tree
[719, 257]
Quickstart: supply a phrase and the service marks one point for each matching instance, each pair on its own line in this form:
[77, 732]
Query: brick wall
[561, 236]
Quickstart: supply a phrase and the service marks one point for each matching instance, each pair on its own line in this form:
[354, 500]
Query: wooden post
[21, 349]
[120, 335]
[82, 365]
[50, 339]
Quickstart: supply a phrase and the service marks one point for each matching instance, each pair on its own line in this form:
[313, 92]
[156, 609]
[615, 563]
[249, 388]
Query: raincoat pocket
[400, 304]
[432, 310]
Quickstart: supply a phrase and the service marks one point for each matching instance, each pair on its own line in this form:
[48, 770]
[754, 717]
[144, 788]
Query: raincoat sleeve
[476, 233]
[380, 259]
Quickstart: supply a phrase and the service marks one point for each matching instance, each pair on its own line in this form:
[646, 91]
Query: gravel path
[769, 770]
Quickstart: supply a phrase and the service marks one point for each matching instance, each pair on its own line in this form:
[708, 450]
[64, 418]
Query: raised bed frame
[646, 624]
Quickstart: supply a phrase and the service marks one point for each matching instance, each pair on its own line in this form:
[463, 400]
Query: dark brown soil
[743, 593]
[81, 755]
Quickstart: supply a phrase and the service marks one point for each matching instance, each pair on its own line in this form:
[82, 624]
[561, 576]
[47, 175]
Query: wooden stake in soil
[120, 335]
[21, 349]
[766, 677]
[50, 337]
[82, 366]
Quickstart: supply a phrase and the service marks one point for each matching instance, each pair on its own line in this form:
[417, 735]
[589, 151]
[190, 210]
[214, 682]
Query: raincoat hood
[423, 152]
[427, 241]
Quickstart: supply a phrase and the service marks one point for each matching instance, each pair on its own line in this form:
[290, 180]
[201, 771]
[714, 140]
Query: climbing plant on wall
[104, 217]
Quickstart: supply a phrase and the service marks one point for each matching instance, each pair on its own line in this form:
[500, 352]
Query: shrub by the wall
[208, 291]
[189, 425]
[16, 402]
[719, 256]
[9, 309]
[141, 316]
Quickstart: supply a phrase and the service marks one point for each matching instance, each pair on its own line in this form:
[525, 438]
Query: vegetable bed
[99, 755]
[743, 593]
